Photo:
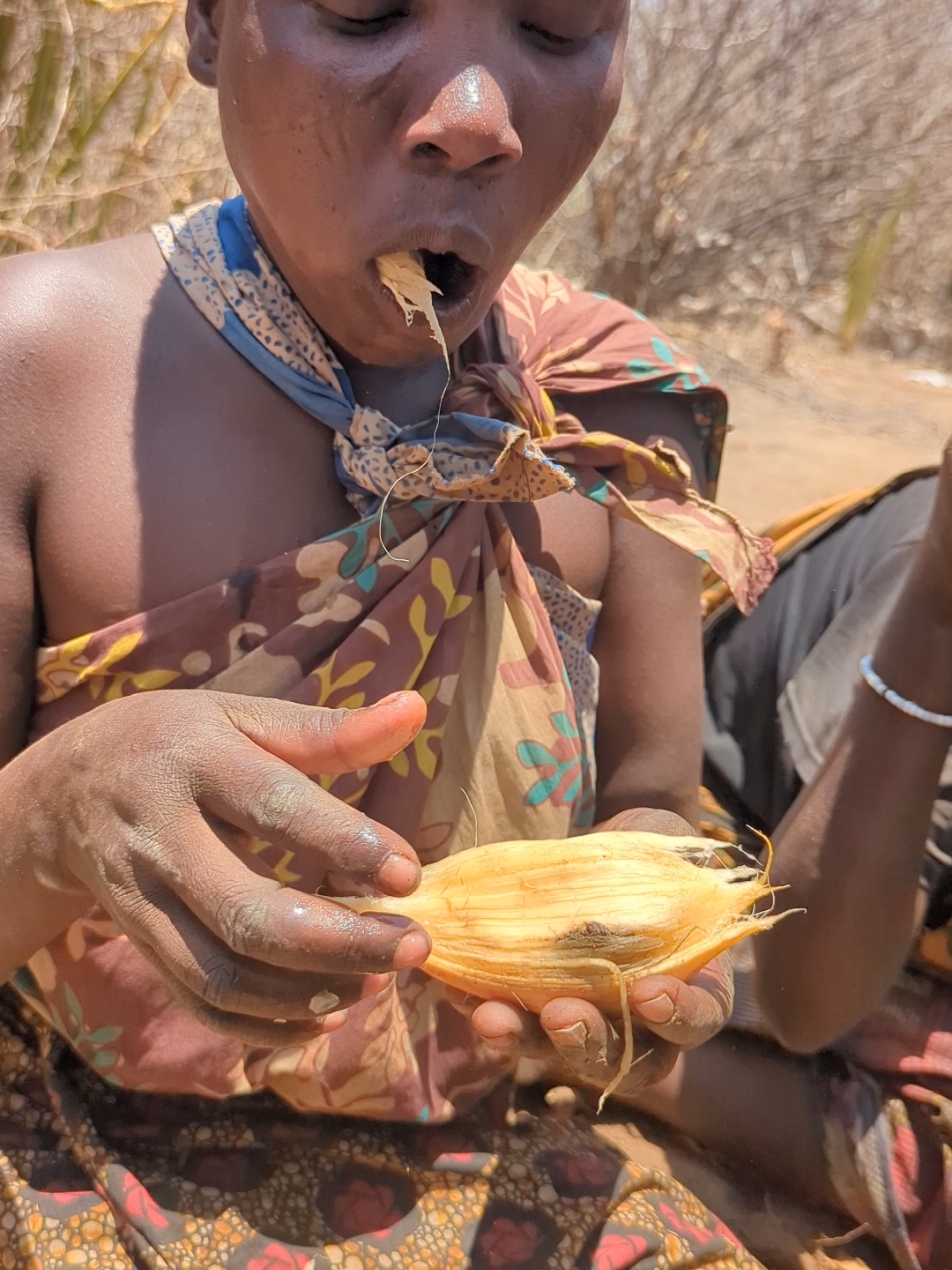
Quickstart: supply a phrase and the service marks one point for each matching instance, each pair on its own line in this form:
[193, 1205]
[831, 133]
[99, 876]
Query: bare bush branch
[758, 142]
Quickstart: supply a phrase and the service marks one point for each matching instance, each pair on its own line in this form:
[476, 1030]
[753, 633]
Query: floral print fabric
[501, 438]
[96, 1178]
[449, 609]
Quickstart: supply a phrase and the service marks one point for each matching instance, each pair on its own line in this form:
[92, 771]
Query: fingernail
[324, 1003]
[504, 1043]
[391, 700]
[412, 951]
[572, 1038]
[399, 875]
[657, 1010]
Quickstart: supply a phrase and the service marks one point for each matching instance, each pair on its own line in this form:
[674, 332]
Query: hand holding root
[572, 1042]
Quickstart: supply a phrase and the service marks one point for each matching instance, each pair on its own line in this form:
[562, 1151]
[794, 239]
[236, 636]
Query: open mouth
[455, 278]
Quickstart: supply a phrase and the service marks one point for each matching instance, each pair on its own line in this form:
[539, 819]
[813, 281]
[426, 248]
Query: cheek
[606, 93]
[572, 106]
[274, 96]
[286, 109]
[568, 118]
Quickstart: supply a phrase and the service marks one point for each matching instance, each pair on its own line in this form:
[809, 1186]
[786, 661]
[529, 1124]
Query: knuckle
[358, 847]
[153, 852]
[219, 1021]
[277, 803]
[211, 1018]
[352, 954]
[357, 946]
[241, 922]
[711, 1005]
[661, 1065]
[654, 820]
[221, 983]
[256, 1032]
[653, 1065]
[348, 993]
[328, 721]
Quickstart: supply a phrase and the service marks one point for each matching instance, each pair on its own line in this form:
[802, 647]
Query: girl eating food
[426, 529]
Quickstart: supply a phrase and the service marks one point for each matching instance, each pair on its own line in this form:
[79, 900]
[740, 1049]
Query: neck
[405, 394]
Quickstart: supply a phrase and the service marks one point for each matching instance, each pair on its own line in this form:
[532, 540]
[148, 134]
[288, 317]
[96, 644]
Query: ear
[202, 19]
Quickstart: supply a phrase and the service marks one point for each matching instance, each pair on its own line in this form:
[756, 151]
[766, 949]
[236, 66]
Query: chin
[383, 337]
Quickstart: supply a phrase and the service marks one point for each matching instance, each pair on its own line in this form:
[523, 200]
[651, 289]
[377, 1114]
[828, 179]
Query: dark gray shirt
[780, 682]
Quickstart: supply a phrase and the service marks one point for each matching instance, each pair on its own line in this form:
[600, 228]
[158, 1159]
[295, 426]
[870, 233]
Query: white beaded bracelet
[907, 707]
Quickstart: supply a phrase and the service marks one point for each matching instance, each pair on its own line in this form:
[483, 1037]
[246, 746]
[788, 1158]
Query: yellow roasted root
[529, 922]
[403, 275]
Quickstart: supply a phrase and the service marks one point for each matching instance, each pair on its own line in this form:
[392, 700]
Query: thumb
[322, 742]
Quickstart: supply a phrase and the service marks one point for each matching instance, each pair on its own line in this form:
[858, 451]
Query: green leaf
[563, 724]
[104, 1058]
[74, 1007]
[104, 1035]
[531, 754]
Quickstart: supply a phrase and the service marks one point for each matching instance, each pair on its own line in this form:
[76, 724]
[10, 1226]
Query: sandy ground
[830, 423]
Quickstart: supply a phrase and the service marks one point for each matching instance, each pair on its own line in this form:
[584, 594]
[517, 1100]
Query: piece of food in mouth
[529, 922]
[403, 275]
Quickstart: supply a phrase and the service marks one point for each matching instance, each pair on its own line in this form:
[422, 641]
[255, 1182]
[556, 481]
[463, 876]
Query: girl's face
[450, 127]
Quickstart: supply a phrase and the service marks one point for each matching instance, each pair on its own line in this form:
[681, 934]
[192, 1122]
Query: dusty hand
[144, 804]
[574, 1043]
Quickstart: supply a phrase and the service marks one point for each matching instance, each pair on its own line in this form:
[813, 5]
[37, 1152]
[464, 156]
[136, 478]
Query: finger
[258, 919]
[327, 742]
[685, 1014]
[650, 820]
[257, 1033]
[591, 1050]
[234, 984]
[507, 1029]
[275, 803]
[583, 1037]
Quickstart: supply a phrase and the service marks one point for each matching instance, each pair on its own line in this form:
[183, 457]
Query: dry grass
[776, 153]
[101, 129]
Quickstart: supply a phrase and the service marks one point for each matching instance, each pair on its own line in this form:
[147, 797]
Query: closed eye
[370, 26]
[547, 37]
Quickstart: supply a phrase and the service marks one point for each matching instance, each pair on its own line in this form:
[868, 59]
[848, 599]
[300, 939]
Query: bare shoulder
[66, 319]
[45, 288]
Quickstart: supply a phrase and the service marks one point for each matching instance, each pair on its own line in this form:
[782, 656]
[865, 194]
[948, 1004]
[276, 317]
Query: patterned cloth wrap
[426, 591]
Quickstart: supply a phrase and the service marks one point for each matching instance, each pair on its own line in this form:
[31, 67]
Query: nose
[468, 126]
